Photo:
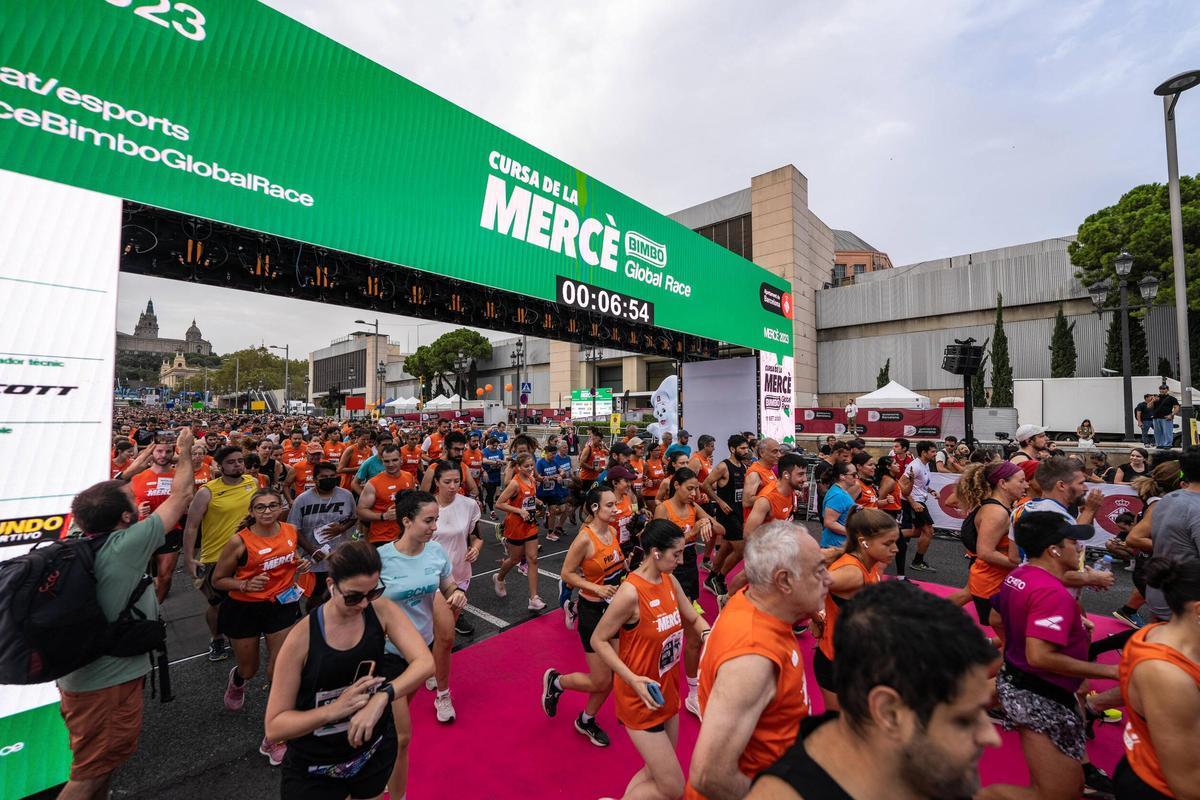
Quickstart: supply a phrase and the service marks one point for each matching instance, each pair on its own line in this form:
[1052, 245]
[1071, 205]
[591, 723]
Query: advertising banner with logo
[155, 104]
[585, 406]
[1118, 499]
[879, 423]
[775, 398]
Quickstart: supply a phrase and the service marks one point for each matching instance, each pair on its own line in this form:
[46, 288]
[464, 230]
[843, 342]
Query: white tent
[403, 403]
[893, 396]
[454, 400]
[441, 401]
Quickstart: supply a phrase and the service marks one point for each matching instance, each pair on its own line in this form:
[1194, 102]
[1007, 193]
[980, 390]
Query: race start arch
[222, 142]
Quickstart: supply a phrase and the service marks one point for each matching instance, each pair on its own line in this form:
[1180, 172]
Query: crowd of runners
[349, 549]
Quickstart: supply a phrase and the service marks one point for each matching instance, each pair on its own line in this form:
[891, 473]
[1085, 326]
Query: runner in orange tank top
[753, 693]
[871, 537]
[520, 504]
[1160, 685]
[377, 503]
[778, 502]
[412, 454]
[594, 565]
[648, 615]
[593, 459]
[760, 474]
[354, 455]
[259, 568]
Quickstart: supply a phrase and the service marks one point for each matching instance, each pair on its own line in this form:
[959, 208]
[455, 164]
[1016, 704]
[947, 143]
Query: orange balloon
[479, 392]
[508, 387]
[488, 388]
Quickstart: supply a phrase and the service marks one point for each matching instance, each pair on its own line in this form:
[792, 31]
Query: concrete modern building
[909, 314]
[853, 256]
[351, 364]
[145, 339]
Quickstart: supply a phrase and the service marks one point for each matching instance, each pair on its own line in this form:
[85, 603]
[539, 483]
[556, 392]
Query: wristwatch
[389, 690]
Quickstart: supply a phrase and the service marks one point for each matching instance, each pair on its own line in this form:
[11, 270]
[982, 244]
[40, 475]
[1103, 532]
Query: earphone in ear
[1056, 553]
[863, 543]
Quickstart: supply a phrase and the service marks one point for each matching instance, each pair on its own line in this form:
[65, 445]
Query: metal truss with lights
[166, 244]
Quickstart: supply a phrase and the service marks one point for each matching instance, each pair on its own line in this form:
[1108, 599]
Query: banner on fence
[876, 423]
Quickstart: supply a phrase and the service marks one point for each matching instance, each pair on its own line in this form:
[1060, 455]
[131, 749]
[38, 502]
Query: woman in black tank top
[328, 701]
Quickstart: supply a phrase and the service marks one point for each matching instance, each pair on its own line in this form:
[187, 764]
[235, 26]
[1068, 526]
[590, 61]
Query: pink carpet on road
[503, 747]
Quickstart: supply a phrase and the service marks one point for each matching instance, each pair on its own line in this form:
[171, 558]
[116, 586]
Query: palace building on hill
[145, 338]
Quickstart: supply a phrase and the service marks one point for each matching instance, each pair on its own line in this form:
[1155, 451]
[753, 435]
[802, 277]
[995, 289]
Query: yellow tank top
[226, 511]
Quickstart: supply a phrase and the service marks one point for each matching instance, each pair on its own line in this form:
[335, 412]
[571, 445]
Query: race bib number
[638, 485]
[672, 650]
[737, 496]
[289, 595]
[529, 504]
[324, 699]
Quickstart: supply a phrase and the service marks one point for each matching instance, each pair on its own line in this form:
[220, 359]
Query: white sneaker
[498, 585]
[444, 707]
[431, 683]
[536, 603]
[692, 704]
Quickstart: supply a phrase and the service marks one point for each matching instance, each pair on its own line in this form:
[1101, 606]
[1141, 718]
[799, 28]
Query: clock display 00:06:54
[605, 301]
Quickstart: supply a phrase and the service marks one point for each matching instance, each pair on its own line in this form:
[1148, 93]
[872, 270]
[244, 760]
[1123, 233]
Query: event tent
[893, 396]
[401, 403]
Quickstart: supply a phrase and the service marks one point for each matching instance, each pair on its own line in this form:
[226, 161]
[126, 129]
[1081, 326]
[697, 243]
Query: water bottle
[1103, 565]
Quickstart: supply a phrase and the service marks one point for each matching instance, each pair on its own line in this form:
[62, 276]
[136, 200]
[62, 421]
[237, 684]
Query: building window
[839, 271]
[610, 377]
[732, 234]
[859, 269]
[657, 372]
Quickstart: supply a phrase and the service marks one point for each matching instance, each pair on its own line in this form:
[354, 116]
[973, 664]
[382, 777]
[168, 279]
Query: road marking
[548, 574]
[486, 617]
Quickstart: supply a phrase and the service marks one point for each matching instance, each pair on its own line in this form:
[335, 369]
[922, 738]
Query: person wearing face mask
[323, 517]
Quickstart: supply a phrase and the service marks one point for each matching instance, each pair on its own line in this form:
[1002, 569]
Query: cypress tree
[1164, 368]
[1062, 347]
[1139, 355]
[884, 377]
[1002, 378]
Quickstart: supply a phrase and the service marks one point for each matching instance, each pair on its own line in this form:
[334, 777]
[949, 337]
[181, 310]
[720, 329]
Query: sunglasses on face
[354, 598]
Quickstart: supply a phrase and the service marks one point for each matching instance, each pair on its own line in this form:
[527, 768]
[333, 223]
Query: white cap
[1027, 432]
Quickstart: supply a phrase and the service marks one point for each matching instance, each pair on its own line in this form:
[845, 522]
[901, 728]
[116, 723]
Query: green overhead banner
[229, 110]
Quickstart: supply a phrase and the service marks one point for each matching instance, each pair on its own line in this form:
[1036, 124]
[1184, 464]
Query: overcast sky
[930, 128]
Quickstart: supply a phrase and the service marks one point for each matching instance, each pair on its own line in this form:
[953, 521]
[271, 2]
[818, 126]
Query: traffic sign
[585, 406]
[526, 388]
[524, 399]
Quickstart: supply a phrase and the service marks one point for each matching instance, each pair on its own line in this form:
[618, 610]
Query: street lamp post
[380, 390]
[1169, 90]
[1147, 288]
[351, 380]
[461, 363]
[592, 355]
[374, 356]
[517, 356]
[287, 357]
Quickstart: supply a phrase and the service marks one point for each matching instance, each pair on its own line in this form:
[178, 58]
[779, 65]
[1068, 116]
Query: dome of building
[193, 333]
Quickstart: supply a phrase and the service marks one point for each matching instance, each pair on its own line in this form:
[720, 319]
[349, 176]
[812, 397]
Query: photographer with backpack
[102, 700]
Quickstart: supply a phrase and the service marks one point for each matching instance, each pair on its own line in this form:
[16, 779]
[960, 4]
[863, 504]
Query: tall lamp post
[286, 360]
[351, 380]
[380, 386]
[517, 356]
[592, 355]
[461, 363]
[372, 356]
[1169, 90]
[1148, 288]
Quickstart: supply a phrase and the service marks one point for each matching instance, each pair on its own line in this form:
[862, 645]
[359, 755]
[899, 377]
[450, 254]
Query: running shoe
[713, 584]
[536, 603]
[431, 683]
[722, 599]
[274, 751]
[523, 568]
[498, 585]
[444, 707]
[592, 731]
[692, 704]
[1129, 567]
[706, 562]
[218, 649]
[493, 516]
[922, 566]
[564, 593]
[550, 695]
[235, 696]
[800, 628]
[552, 535]
[1096, 782]
[570, 615]
[464, 628]
[1132, 620]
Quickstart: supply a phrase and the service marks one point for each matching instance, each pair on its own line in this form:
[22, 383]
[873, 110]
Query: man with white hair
[753, 693]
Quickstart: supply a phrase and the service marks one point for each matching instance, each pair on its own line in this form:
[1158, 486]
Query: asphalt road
[193, 748]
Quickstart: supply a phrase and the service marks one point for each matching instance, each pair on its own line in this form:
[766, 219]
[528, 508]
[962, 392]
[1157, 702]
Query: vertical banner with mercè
[776, 419]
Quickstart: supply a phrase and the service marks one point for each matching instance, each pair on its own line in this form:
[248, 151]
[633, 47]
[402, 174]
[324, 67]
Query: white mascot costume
[666, 408]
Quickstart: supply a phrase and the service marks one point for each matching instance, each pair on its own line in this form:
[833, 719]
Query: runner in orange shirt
[412, 455]
[648, 616]
[259, 567]
[871, 537]
[301, 478]
[333, 445]
[353, 456]
[377, 503]
[760, 474]
[593, 459]
[151, 487]
[434, 442]
[519, 502]
[753, 692]
[295, 449]
[654, 472]
[124, 452]
[778, 502]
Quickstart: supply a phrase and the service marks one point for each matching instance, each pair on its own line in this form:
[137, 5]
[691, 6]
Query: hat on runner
[636, 442]
[621, 473]
[1037, 530]
[315, 448]
[1029, 468]
[1027, 432]
[684, 434]
[621, 449]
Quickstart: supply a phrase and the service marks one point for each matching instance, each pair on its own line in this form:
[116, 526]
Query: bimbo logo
[645, 249]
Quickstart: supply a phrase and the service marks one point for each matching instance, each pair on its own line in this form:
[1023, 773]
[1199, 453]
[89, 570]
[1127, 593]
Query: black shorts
[688, 573]
[296, 784]
[172, 544]
[983, 608]
[823, 670]
[590, 612]
[520, 542]
[915, 519]
[1130, 785]
[239, 619]
[732, 523]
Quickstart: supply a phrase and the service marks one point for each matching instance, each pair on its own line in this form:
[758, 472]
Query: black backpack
[51, 622]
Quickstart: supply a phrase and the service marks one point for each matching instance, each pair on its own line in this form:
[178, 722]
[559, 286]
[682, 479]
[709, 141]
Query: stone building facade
[145, 338]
